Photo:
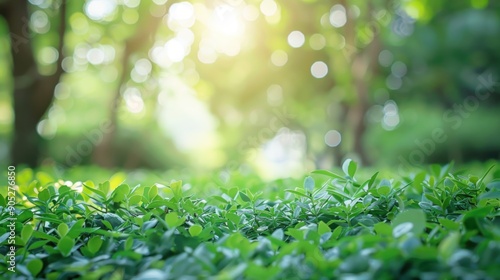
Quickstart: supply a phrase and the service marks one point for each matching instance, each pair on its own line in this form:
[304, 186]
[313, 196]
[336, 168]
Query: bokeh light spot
[398, 69]
[279, 58]
[130, 16]
[391, 115]
[296, 39]
[317, 42]
[133, 100]
[132, 3]
[48, 55]
[95, 56]
[268, 7]
[385, 58]
[393, 82]
[99, 9]
[319, 69]
[333, 138]
[338, 17]
[40, 22]
[175, 50]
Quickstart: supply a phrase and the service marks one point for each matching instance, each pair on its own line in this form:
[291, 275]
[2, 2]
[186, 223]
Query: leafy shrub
[430, 225]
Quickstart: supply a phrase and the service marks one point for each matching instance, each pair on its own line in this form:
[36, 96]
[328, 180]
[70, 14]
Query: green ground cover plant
[430, 224]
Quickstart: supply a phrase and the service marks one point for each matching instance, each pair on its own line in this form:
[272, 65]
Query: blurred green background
[275, 87]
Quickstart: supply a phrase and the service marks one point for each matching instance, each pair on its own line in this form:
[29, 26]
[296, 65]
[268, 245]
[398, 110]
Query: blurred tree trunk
[104, 154]
[33, 93]
[362, 64]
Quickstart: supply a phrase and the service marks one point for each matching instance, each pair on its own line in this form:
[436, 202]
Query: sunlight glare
[181, 15]
[224, 34]
[250, 13]
[175, 50]
[99, 9]
[268, 7]
[133, 100]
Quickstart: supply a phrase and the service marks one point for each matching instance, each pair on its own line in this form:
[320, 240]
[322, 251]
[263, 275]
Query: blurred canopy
[278, 86]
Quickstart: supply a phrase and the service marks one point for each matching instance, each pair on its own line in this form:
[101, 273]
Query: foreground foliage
[428, 225]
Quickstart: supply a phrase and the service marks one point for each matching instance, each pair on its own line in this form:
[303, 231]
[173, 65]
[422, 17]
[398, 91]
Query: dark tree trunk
[32, 92]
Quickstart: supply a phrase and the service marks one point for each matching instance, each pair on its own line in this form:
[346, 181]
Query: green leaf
[25, 216]
[349, 167]
[76, 229]
[493, 185]
[309, 184]
[26, 232]
[425, 253]
[480, 181]
[173, 220]
[195, 230]
[176, 188]
[113, 219]
[336, 232]
[480, 212]
[448, 224]
[120, 193]
[128, 243]
[153, 191]
[244, 197]
[297, 193]
[490, 195]
[416, 217]
[44, 195]
[278, 234]
[94, 244]
[383, 229]
[234, 218]
[371, 182]
[88, 189]
[328, 173]
[37, 244]
[323, 228]
[43, 235]
[383, 190]
[449, 245]
[104, 188]
[134, 200]
[434, 199]
[107, 224]
[35, 266]
[62, 229]
[65, 245]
